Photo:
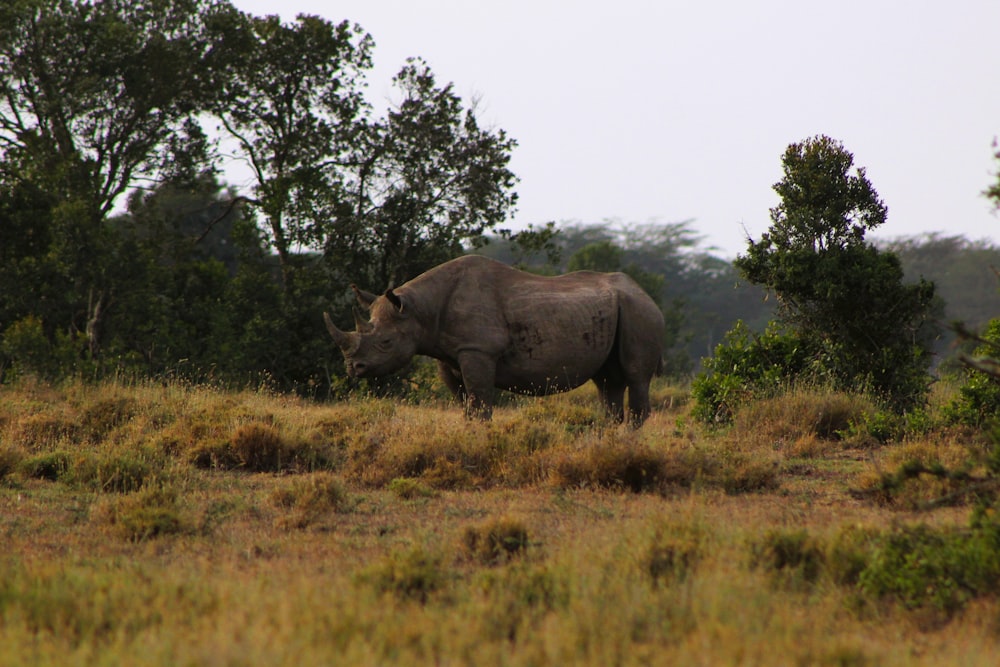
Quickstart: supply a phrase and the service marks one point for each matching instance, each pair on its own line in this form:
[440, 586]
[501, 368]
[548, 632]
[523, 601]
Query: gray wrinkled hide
[490, 325]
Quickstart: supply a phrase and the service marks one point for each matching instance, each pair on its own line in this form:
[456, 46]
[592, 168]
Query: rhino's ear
[364, 298]
[394, 300]
[360, 323]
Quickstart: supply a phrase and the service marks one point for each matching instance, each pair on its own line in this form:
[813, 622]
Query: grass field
[177, 525]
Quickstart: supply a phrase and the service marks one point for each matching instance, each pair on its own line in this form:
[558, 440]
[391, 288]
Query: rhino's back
[560, 333]
[545, 333]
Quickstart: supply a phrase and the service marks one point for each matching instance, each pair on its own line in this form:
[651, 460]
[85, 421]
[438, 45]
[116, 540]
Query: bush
[309, 497]
[621, 464]
[10, 460]
[495, 541]
[413, 574]
[940, 570]
[747, 366]
[803, 414]
[149, 513]
[98, 419]
[673, 552]
[258, 447]
[116, 473]
[32, 353]
[793, 556]
[519, 598]
[978, 402]
[50, 465]
[409, 488]
[925, 476]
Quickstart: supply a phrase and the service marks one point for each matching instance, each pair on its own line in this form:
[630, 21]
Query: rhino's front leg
[452, 378]
[478, 375]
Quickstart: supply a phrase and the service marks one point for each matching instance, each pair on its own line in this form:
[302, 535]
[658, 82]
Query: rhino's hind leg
[611, 390]
[638, 403]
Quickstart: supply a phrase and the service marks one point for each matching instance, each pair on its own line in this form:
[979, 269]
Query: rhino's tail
[660, 367]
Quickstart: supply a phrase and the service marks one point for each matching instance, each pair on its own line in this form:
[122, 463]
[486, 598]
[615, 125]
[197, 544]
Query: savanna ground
[178, 525]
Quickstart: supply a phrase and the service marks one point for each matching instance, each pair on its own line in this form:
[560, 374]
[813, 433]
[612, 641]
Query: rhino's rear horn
[364, 298]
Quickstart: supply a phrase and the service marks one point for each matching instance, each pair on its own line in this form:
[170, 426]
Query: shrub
[309, 497]
[804, 421]
[32, 353]
[446, 473]
[101, 417]
[746, 366]
[253, 447]
[620, 463]
[923, 475]
[937, 569]
[749, 474]
[495, 541]
[442, 454]
[673, 552]
[258, 447]
[978, 402]
[520, 596]
[42, 430]
[413, 574]
[572, 414]
[149, 513]
[793, 556]
[847, 554]
[50, 465]
[409, 488]
[10, 460]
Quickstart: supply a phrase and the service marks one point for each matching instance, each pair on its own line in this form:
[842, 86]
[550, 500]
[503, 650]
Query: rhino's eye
[384, 344]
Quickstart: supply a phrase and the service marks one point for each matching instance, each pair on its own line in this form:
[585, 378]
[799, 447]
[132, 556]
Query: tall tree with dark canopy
[292, 106]
[841, 296]
[430, 180]
[96, 97]
[383, 198]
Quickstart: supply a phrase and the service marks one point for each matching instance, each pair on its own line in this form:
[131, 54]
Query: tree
[291, 103]
[428, 182]
[965, 282]
[94, 98]
[993, 191]
[598, 256]
[841, 296]
[978, 402]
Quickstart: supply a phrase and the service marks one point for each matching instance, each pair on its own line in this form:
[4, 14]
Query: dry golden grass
[804, 422]
[152, 525]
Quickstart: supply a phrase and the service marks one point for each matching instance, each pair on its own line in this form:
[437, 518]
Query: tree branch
[229, 209]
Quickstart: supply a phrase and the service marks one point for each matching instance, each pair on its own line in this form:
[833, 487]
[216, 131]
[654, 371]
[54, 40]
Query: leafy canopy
[840, 299]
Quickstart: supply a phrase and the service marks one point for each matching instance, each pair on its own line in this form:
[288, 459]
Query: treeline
[704, 295]
[199, 294]
[106, 102]
[123, 254]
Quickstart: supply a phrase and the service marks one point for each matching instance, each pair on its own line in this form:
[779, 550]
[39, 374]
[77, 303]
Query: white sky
[669, 110]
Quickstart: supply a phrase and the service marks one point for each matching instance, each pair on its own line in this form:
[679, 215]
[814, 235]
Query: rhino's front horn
[347, 342]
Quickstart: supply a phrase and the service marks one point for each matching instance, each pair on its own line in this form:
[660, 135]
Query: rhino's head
[382, 345]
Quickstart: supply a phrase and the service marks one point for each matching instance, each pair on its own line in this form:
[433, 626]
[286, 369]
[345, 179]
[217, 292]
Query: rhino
[491, 326]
